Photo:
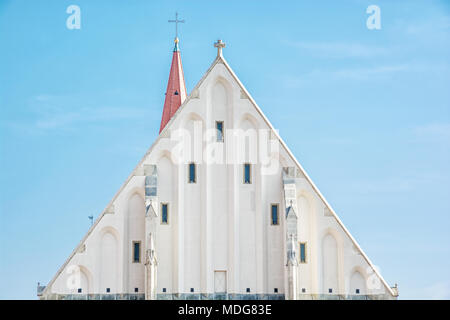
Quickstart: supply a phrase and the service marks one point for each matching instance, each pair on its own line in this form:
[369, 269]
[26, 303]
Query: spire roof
[176, 88]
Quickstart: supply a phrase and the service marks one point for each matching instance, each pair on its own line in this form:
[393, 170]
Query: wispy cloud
[438, 291]
[439, 26]
[391, 185]
[377, 72]
[359, 74]
[437, 132]
[63, 118]
[367, 73]
[51, 112]
[431, 34]
[340, 49]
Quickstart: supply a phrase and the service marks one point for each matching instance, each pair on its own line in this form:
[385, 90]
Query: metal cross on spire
[176, 21]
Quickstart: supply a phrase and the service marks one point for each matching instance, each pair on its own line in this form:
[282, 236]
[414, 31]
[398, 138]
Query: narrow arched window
[247, 173]
[274, 213]
[192, 173]
[164, 213]
[219, 130]
[302, 252]
[136, 251]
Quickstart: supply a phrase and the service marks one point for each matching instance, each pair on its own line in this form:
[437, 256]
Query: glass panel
[302, 252]
[136, 256]
[247, 173]
[274, 214]
[164, 213]
[192, 172]
[219, 126]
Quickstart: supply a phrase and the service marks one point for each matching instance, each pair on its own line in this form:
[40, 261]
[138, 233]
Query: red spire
[176, 89]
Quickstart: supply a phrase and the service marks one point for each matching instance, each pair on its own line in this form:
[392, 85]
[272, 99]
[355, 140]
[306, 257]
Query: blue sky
[366, 112]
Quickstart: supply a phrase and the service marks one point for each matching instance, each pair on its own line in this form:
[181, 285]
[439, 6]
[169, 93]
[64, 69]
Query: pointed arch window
[192, 178]
[136, 251]
[219, 130]
[247, 173]
[274, 214]
[302, 255]
[164, 213]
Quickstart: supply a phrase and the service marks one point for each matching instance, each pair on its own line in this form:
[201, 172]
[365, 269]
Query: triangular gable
[165, 132]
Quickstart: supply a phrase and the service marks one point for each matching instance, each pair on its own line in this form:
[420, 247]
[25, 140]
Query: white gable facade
[202, 217]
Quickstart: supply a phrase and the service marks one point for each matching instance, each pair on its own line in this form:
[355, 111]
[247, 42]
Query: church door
[220, 281]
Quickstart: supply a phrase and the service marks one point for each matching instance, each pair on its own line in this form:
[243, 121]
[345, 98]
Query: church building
[218, 208]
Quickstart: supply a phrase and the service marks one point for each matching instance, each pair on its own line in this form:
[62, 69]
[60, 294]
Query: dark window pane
[247, 173]
[219, 127]
[136, 252]
[274, 214]
[302, 252]
[164, 216]
[192, 172]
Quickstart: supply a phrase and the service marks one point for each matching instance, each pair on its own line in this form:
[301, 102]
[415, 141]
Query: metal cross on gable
[219, 45]
[176, 21]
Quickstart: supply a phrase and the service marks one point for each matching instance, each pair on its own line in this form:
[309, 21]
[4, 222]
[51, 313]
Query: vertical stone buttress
[151, 221]
[290, 238]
